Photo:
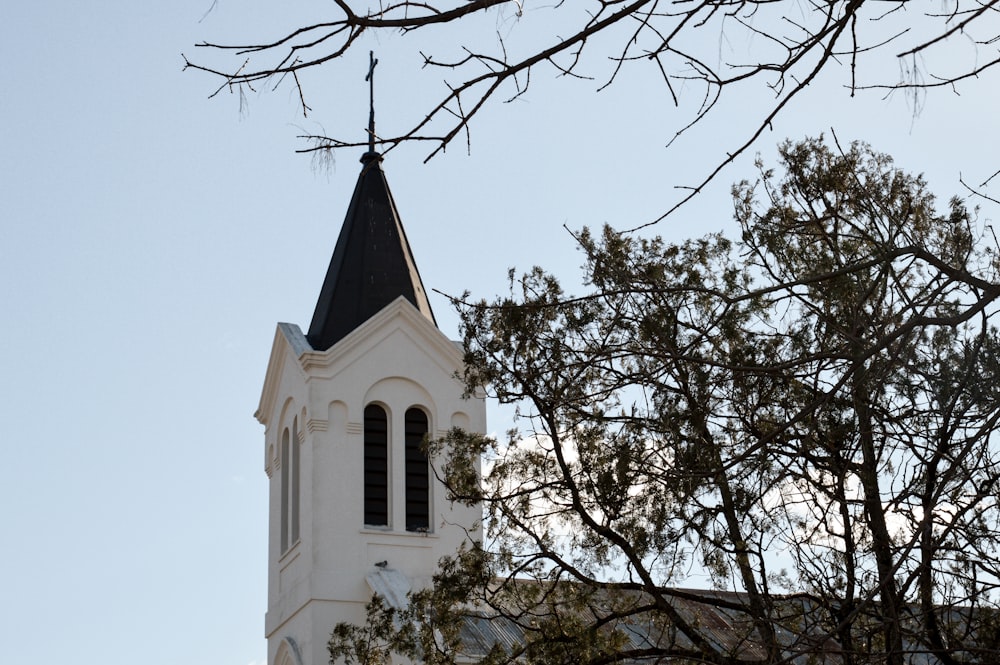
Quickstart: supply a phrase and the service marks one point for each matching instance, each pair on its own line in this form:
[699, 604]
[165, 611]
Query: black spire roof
[371, 266]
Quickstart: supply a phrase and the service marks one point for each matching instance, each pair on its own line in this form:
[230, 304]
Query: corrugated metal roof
[723, 626]
[391, 585]
[717, 616]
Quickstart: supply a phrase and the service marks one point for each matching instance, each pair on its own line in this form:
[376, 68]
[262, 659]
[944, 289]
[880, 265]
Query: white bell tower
[345, 408]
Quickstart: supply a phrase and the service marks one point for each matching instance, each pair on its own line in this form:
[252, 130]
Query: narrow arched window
[376, 466]
[294, 484]
[286, 468]
[290, 487]
[417, 472]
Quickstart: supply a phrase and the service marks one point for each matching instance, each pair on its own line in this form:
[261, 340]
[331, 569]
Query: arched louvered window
[417, 473]
[376, 466]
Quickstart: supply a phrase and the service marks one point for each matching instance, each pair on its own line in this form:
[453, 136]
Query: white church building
[354, 506]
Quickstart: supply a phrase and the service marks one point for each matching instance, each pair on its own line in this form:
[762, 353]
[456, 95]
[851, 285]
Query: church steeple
[372, 264]
[354, 507]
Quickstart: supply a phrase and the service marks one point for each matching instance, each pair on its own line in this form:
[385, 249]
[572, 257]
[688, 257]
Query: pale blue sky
[150, 239]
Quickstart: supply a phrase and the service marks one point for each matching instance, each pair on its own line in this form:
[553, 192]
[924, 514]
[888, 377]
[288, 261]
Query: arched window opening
[417, 473]
[295, 483]
[285, 472]
[376, 466]
[290, 452]
[288, 653]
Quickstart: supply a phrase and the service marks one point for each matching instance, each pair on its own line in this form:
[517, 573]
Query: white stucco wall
[399, 360]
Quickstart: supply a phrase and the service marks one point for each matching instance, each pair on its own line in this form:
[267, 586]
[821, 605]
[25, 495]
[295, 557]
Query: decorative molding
[399, 538]
[290, 555]
[269, 460]
[316, 425]
[276, 457]
[275, 365]
[377, 327]
[355, 428]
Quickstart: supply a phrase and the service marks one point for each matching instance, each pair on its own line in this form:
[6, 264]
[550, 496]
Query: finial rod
[372, 61]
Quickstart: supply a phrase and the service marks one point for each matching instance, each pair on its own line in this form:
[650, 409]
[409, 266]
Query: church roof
[519, 611]
[372, 264]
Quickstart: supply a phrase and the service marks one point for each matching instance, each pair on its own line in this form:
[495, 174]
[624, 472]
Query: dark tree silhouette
[712, 49]
[808, 414]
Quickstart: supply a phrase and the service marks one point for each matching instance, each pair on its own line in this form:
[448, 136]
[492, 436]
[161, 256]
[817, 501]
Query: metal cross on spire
[372, 61]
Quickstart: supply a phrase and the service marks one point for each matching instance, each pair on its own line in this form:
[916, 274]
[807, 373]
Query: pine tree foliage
[805, 414]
